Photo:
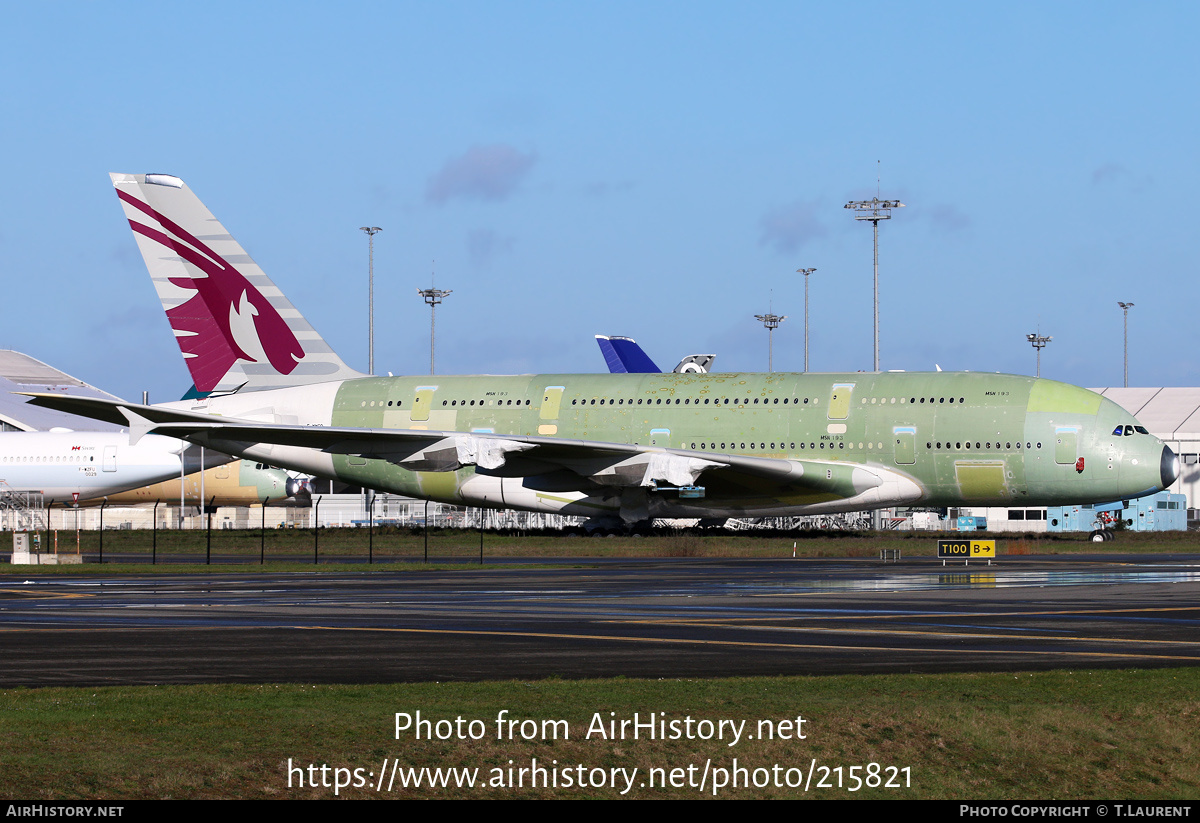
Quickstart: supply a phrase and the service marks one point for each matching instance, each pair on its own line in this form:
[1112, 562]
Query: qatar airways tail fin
[233, 325]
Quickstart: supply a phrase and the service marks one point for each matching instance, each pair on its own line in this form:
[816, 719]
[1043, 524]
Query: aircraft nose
[1168, 467]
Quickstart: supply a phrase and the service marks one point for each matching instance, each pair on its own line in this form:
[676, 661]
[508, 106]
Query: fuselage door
[839, 401]
[1066, 445]
[422, 401]
[110, 458]
[906, 444]
[660, 438]
[551, 400]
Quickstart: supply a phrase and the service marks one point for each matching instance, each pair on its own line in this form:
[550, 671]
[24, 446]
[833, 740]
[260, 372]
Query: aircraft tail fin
[233, 325]
[624, 356]
[695, 364]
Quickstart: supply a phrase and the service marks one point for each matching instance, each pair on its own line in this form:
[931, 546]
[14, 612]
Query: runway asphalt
[633, 618]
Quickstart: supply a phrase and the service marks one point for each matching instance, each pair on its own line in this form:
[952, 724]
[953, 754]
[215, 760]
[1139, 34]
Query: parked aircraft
[70, 466]
[623, 355]
[240, 483]
[633, 446]
[40, 450]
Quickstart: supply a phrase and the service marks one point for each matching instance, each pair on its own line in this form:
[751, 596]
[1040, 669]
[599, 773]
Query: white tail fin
[233, 325]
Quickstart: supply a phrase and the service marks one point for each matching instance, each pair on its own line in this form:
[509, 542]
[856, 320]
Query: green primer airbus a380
[633, 446]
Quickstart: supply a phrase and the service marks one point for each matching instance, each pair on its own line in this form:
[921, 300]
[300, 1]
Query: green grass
[1048, 735]
[1052, 735]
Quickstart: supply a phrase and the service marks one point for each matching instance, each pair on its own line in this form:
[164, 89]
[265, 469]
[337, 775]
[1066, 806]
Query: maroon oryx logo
[227, 319]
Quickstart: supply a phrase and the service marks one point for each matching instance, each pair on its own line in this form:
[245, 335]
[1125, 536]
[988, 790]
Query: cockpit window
[1127, 431]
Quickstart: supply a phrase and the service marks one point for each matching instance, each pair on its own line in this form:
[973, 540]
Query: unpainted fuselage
[240, 483]
[928, 439]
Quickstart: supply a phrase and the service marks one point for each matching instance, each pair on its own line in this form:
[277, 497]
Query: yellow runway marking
[950, 632]
[676, 640]
[46, 594]
[941, 615]
[742, 643]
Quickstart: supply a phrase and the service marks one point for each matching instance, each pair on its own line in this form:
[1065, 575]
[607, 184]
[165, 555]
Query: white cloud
[482, 173]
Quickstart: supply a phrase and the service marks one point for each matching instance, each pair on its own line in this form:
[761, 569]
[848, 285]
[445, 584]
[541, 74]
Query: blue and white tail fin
[233, 325]
[624, 356]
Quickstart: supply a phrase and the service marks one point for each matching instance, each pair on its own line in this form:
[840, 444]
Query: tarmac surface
[600, 618]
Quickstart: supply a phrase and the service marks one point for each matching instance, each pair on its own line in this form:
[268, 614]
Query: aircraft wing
[579, 463]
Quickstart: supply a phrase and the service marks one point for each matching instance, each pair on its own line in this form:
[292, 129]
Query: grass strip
[1069, 735]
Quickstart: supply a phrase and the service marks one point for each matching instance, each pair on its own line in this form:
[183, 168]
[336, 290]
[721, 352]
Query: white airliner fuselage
[62, 465]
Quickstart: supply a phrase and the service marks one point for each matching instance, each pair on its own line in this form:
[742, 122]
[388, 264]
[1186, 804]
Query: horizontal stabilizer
[21, 373]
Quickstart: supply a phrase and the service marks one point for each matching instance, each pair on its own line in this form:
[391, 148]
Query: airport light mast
[1039, 343]
[771, 322]
[1125, 307]
[875, 210]
[433, 297]
[371, 231]
[806, 273]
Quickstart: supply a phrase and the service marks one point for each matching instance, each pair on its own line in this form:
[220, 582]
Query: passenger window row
[689, 401]
[986, 446]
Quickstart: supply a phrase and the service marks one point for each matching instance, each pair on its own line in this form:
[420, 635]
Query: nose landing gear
[1104, 521]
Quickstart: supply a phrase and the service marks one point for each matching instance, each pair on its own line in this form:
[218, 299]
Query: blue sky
[658, 170]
